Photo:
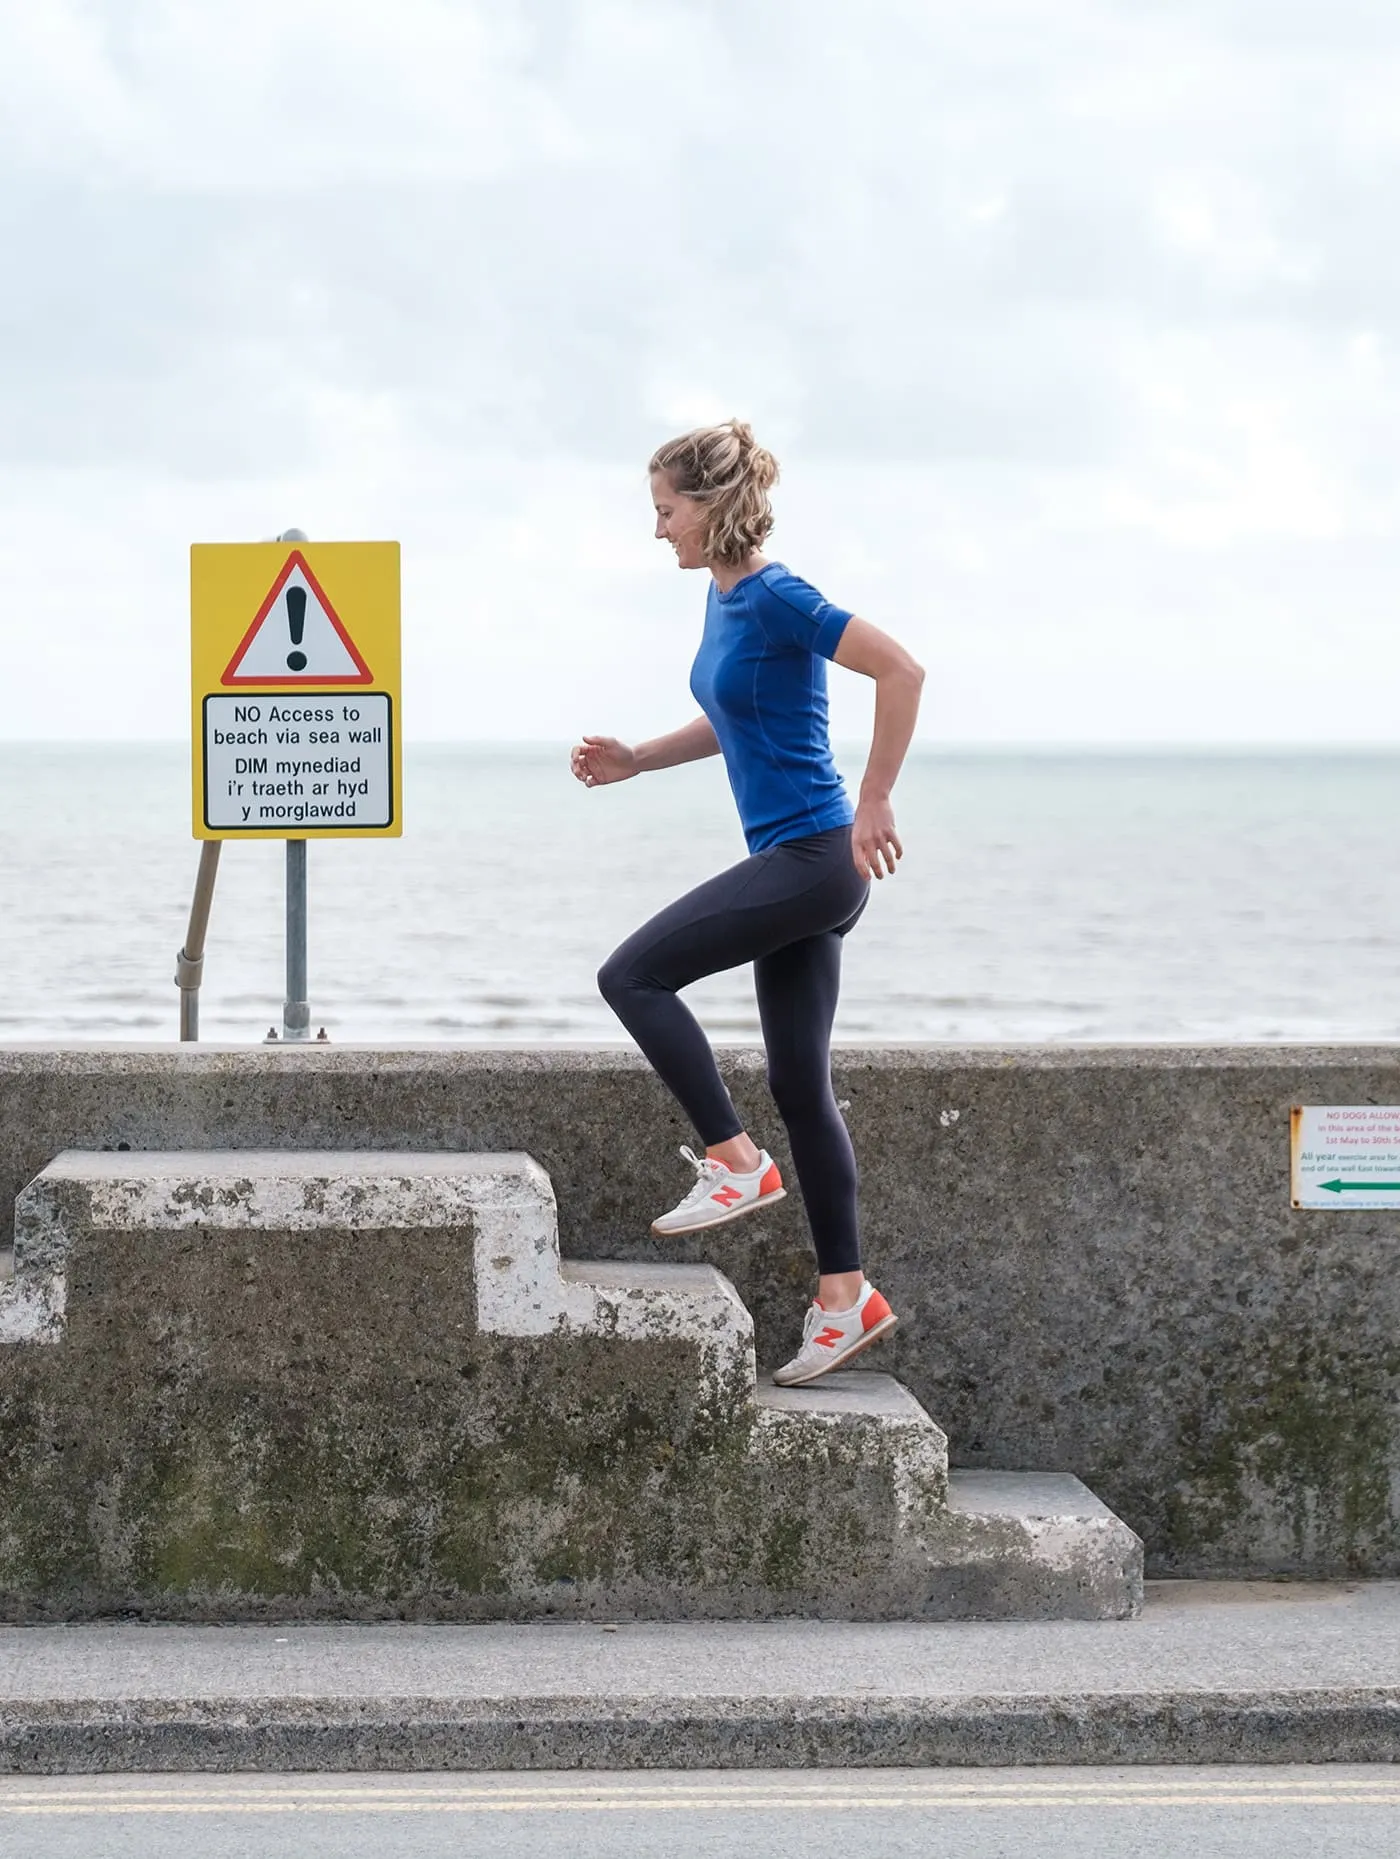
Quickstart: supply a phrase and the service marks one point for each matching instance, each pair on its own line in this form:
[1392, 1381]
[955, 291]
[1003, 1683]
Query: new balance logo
[727, 1196]
[830, 1336]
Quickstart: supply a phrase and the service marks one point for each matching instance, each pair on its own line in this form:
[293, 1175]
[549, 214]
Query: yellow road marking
[717, 1802]
[396, 1783]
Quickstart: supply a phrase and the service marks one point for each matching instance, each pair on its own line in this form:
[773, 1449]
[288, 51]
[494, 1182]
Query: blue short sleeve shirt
[760, 678]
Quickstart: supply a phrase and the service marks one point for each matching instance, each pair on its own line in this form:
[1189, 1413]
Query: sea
[1088, 896]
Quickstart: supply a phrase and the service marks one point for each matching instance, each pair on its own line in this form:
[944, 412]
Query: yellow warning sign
[294, 653]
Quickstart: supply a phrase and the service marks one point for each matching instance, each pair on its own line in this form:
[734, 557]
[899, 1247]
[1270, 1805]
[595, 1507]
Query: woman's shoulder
[795, 614]
[781, 587]
[778, 582]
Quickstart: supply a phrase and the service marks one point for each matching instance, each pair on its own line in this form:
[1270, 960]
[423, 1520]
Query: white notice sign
[1346, 1155]
[313, 758]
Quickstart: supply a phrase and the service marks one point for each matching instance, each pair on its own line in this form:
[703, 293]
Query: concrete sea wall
[1091, 1249]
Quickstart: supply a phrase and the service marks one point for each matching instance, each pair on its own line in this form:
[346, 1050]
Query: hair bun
[759, 463]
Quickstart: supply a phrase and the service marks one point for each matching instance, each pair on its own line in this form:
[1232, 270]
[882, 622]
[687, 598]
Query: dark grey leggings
[784, 910]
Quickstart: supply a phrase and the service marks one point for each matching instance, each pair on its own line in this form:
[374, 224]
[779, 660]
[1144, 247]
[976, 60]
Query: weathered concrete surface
[251, 1384]
[1211, 1673]
[1096, 1266]
[587, 1731]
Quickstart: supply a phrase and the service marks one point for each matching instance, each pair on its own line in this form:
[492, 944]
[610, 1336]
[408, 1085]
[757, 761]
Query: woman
[760, 680]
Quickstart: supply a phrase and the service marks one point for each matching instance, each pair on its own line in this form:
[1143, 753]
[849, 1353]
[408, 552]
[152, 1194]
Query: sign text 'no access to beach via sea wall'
[1346, 1156]
[290, 764]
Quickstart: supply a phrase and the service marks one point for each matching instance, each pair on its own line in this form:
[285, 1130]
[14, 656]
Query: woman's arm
[691, 743]
[598, 760]
[898, 682]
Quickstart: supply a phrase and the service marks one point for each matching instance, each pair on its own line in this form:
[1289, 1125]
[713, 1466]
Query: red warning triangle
[297, 636]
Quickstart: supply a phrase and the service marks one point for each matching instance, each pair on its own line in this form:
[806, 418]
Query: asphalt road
[1083, 1813]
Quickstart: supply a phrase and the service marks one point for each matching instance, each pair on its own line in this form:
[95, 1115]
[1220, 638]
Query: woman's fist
[873, 839]
[597, 760]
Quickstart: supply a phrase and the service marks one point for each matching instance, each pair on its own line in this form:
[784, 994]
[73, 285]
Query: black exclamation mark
[296, 619]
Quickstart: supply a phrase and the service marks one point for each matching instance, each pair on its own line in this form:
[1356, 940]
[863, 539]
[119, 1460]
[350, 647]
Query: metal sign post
[295, 692]
[296, 1009]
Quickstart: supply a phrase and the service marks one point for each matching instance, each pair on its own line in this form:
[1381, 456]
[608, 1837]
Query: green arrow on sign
[1360, 1187]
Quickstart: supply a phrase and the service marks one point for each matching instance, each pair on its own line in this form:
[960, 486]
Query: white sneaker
[721, 1193]
[831, 1337]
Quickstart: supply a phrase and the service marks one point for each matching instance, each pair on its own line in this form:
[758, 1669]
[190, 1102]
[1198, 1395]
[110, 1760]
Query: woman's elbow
[902, 674]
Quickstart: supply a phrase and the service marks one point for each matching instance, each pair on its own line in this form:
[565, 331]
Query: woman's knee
[615, 977]
[800, 1090]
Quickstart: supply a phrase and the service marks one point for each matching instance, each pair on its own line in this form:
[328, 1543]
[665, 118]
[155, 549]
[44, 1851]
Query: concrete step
[850, 1395]
[990, 1545]
[323, 1384]
[692, 1304]
[858, 1412]
[1034, 1541]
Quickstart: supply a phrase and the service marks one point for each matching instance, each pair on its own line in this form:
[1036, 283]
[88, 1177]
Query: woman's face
[680, 520]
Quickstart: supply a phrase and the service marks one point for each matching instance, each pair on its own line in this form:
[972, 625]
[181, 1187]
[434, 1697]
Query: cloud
[1084, 305]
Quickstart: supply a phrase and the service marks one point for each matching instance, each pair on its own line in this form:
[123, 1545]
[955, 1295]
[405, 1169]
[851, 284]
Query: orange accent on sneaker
[727, 1196]
[771, 1181]
[830, 1336]
[875, 1311]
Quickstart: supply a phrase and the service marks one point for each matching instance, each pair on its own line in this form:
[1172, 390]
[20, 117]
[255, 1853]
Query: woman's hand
[597, 760]
[874, 839]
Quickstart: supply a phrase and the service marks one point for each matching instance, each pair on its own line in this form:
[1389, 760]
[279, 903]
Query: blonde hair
[726, 469]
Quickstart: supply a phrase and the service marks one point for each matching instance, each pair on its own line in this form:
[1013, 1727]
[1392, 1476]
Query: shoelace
[706, 1171]
[815, 1316]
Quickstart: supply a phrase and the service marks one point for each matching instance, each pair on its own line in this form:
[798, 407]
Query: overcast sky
[1073, 325]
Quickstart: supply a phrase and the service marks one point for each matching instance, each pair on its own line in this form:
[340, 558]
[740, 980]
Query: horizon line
[840, 745]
